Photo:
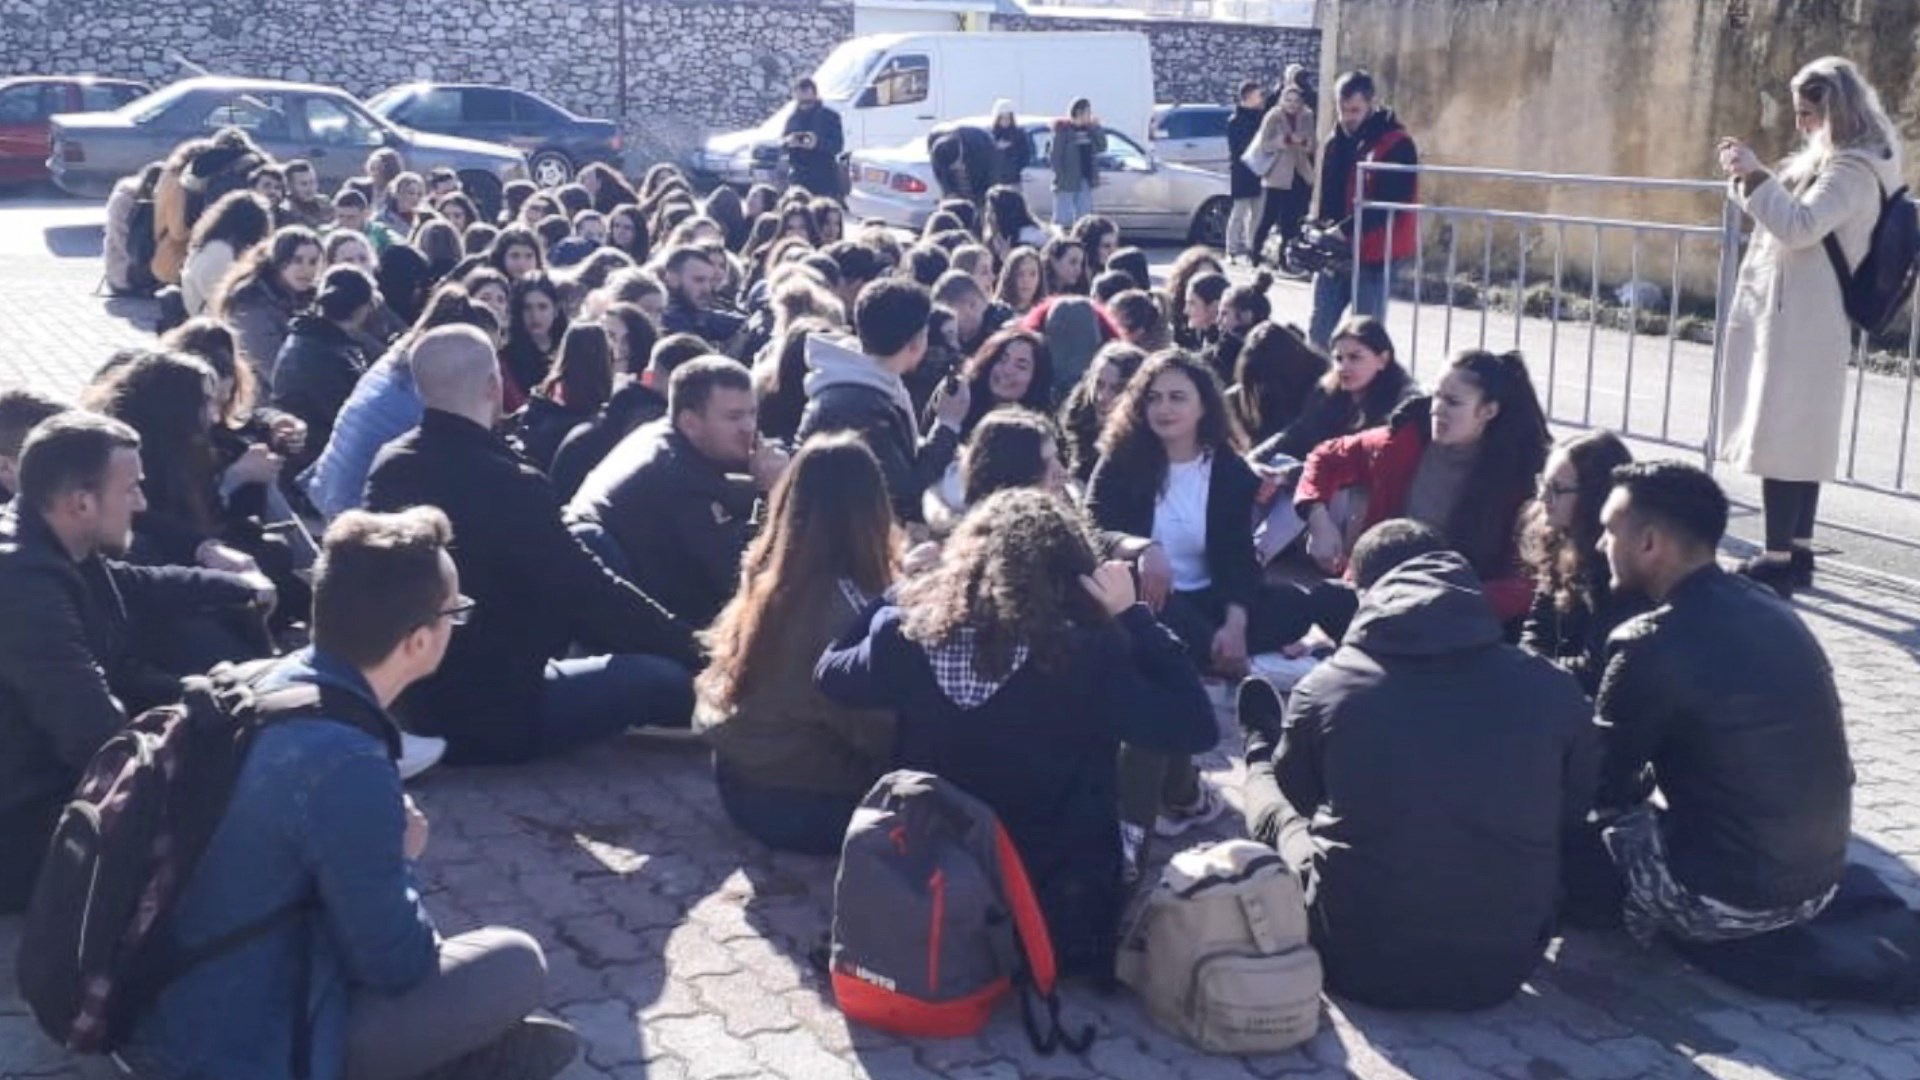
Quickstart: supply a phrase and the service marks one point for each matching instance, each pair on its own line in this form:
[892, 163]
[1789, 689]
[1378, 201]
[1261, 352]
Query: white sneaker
[1178, 819]
[418, 753]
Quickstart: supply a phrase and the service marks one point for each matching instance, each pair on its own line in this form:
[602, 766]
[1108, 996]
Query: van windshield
[843, 74]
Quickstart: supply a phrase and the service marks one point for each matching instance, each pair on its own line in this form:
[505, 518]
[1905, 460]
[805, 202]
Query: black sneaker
[537, 1048]
[1261, 709]
[1774, 574]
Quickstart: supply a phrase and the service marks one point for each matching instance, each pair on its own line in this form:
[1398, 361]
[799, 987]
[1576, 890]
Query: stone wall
[1197, 61]
[691, 66]
[1622, 87]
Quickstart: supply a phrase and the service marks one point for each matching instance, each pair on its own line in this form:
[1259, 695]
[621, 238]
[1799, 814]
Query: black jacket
[1438, 766]
[1242, 128]
[1012, 153]
[1340, 155]
[681, 520]
[817, 168]
[968, 147]
[1576, 639]
[590, 443]
[844, 395]
[318, 368]
[538, 591]
[68, 675]
[1327, 415]
[542, 425]
[1122, 500]
[1726, 694]
[1040, 749]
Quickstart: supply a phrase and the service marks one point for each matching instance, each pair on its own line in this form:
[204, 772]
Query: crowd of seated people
[630, 457]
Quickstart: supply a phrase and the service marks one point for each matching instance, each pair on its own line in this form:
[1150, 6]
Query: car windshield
[844, 72]
[379, 102]
[141, 110]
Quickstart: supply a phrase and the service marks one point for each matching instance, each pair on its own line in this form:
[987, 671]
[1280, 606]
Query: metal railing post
[1723, 311]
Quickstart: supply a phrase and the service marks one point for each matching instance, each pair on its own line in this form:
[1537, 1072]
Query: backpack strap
[305, 701]
[1041, 974]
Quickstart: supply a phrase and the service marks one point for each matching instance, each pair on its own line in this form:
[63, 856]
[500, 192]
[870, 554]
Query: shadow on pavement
[76, 241]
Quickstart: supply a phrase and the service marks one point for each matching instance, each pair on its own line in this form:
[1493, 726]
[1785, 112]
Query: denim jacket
[317, 811]
[384, 405]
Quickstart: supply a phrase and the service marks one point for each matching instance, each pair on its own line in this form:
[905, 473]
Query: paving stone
[746, 1007]
[703, 1044]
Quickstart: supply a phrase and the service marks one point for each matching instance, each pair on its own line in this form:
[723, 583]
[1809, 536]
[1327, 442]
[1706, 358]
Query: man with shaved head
[503, 694]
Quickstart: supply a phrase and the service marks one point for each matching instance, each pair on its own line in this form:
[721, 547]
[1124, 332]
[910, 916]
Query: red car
[28, 101]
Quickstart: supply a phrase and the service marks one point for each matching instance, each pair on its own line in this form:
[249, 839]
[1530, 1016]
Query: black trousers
[1791, 507]
[1286, 208]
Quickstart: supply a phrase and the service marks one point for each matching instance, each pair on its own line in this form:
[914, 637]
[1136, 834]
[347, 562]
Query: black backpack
[1875, 291]
[141, 244]
[96, 950]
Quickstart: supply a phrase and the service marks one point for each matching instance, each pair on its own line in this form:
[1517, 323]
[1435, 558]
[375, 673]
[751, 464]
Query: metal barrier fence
[1648, 370]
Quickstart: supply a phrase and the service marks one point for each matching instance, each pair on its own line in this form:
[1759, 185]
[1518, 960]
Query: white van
[891, 88]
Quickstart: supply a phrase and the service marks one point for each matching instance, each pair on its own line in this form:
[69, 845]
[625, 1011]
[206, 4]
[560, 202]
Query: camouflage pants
[1656, 902]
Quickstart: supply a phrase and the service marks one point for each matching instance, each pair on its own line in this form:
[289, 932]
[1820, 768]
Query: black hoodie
[1438, 766]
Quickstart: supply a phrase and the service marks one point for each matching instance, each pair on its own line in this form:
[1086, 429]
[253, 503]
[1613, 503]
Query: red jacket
[1036, 317]
[1382, 461]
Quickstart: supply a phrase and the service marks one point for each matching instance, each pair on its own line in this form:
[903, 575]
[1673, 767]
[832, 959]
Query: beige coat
[1783, 393]
[1291, 164]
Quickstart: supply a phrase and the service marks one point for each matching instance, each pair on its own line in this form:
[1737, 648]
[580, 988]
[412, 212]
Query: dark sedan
[557, 143]
[29, 103]
[288, 120]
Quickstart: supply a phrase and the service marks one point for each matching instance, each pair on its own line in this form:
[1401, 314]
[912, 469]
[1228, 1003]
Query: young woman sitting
[1360, 391]
[1017, 666]
[1574, 606]
[1088, 405]
[790, 762]
[536, 323]
[572, 395]
[1275, 375]
[1464, 461]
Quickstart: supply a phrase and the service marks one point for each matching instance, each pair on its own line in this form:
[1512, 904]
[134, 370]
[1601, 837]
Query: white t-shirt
[1180, 522]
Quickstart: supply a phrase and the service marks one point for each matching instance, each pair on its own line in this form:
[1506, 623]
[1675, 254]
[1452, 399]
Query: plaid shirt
[954, 669]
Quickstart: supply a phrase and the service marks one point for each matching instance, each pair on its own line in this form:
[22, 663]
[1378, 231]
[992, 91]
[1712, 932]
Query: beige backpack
[1218, 951]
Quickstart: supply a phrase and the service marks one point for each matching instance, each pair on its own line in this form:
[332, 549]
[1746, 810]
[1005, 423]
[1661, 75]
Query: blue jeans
[598, 697]
[1071, 206]
[1332, 293]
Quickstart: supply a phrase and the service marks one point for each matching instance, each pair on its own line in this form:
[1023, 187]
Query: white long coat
[1783, 392]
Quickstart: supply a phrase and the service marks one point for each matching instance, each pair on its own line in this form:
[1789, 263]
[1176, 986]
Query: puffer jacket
[319, 366]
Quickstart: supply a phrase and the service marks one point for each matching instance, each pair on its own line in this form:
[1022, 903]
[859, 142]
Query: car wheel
[550, 168]
[484, 190]
[1210, 223]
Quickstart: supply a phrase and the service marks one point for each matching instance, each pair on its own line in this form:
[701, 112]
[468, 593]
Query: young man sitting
[670, 495]
[1423, 779]
[857, 386]
[69, 613]
[317, 812]
[504, 696]
[1723, 699]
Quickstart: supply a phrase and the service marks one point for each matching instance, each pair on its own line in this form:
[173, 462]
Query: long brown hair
[1565, 563]
[212, 340]
[1009, 575]
[1129, 440]
[263, 265]
[829, 520]
[582, 378]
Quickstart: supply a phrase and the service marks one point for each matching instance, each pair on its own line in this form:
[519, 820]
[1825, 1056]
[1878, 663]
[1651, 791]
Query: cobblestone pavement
[679, 947]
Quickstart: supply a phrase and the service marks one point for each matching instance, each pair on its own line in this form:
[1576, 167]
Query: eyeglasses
[1555, 491]
[461, 613]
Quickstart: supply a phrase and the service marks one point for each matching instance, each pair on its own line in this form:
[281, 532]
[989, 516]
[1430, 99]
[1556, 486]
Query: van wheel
[484, 190]
[550, 169]
[1210, 223]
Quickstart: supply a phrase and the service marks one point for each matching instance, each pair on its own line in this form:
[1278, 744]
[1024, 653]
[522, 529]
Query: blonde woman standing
[1788, 338]
[1286, 133]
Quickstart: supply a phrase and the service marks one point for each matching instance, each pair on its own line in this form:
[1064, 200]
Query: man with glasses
[317, 811]
[503, 695]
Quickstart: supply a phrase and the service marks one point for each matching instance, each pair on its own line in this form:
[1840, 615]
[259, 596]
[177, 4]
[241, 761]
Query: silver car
[1193, 135]
[90, 151]
[1148, 198]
